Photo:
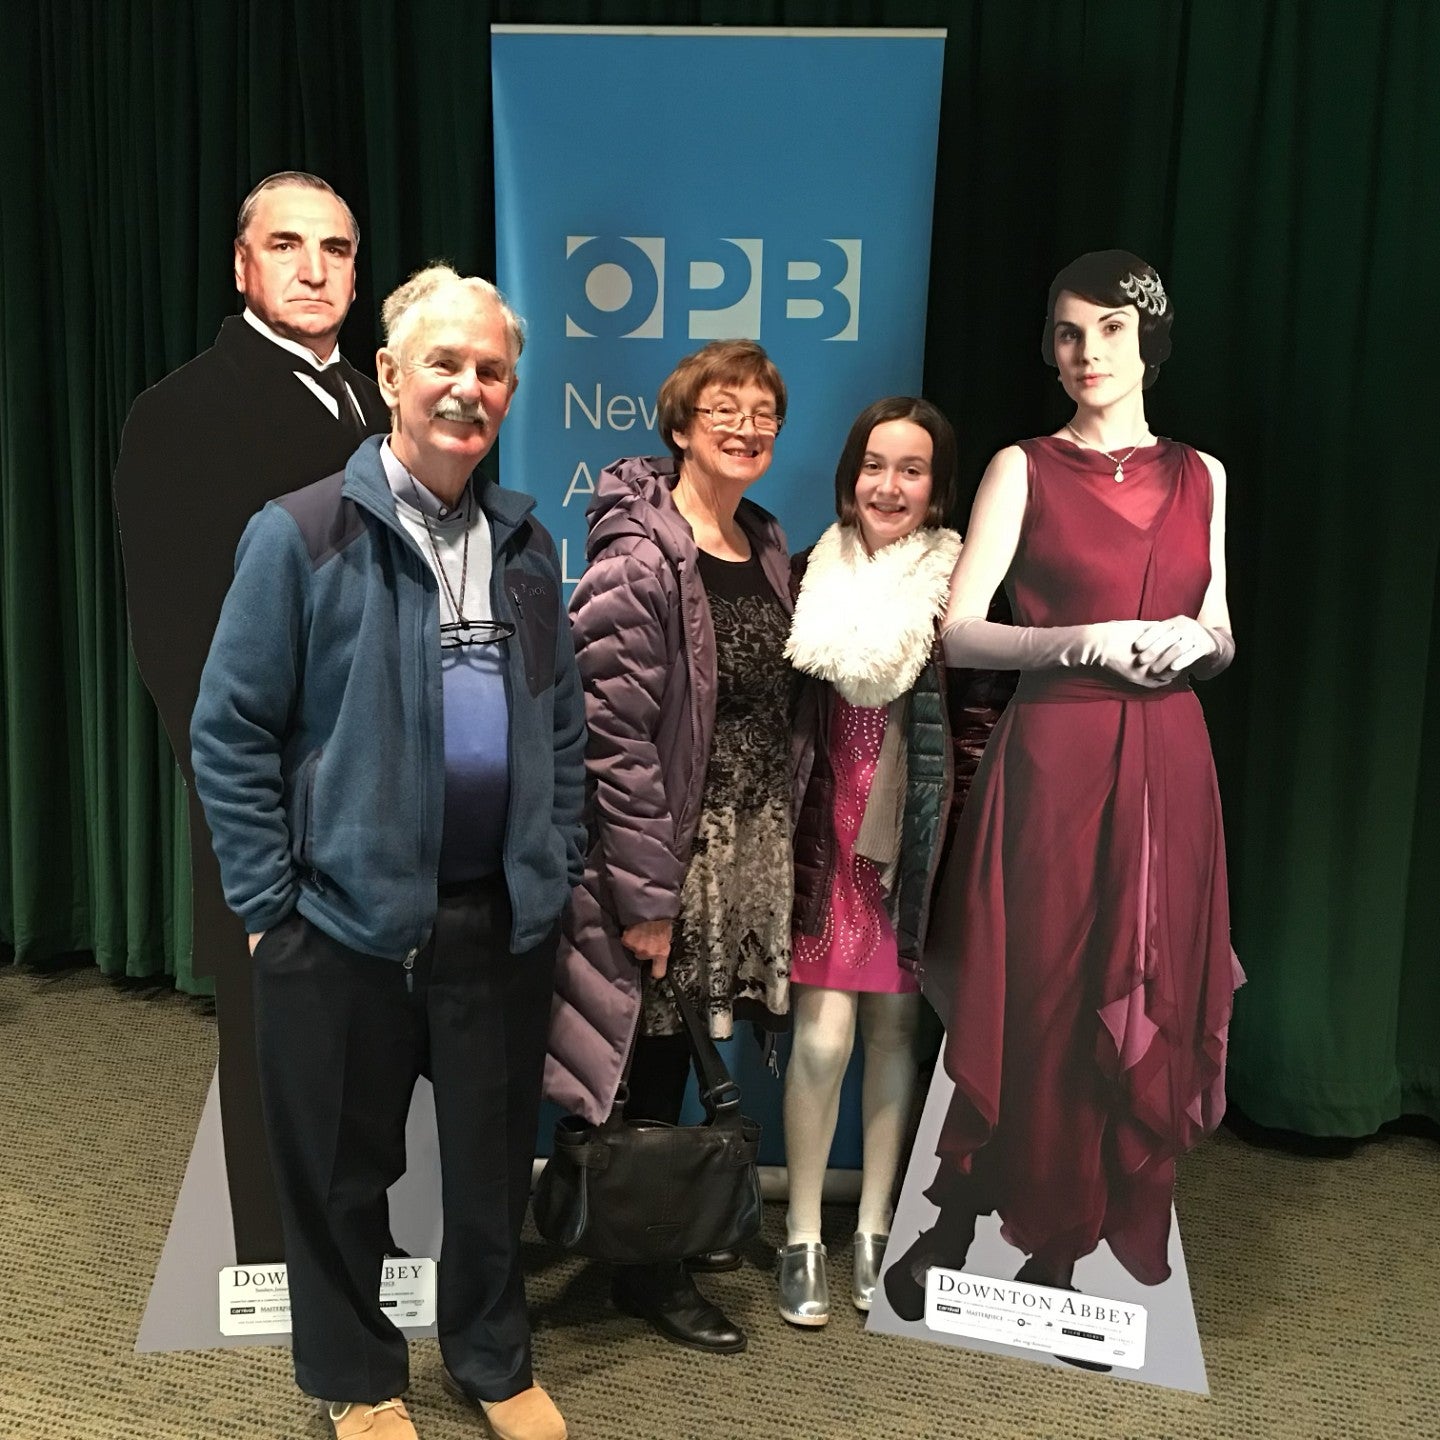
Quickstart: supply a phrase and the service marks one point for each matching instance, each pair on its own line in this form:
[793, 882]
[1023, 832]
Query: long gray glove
[1212, 665]
[1113, 645]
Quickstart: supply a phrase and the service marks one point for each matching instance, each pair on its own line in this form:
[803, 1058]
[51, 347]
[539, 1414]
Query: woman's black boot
[666, 1296]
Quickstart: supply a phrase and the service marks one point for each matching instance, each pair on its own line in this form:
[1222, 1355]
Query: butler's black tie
[332, 382]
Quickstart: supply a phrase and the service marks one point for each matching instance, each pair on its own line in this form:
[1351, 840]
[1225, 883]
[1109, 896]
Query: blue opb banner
[656, 189]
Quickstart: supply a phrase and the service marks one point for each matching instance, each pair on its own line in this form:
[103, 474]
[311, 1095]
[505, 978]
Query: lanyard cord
[456, 605]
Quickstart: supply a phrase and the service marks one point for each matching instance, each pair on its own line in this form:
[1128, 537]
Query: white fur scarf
[866, 623]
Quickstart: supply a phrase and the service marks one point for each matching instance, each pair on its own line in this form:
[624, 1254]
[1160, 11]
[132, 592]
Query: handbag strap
[719, 1094]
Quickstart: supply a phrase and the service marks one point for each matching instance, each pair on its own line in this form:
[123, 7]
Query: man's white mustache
[464, 414]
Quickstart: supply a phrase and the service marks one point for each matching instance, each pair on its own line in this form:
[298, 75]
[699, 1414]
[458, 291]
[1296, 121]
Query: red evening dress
[1080, 942]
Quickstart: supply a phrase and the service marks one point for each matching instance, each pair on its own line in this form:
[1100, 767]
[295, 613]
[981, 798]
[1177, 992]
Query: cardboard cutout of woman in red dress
[1080, 944]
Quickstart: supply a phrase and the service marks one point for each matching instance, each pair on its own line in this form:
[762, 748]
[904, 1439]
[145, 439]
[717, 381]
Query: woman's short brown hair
[721, 362]
[942, 457]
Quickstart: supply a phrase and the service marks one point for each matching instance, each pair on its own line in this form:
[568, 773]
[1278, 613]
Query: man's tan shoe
[389, 1420]
[530, 1415]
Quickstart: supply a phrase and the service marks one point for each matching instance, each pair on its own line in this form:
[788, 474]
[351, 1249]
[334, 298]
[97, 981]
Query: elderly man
[389, 746]
[272, 405]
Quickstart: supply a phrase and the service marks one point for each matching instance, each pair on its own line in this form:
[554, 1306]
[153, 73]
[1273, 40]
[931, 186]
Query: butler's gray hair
[301, 180]
[428, 289]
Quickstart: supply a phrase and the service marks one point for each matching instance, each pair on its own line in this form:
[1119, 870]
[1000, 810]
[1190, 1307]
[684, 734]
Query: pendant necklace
[1118, 461]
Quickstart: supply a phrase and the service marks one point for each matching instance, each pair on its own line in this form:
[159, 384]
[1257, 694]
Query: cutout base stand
[183, 1310]
[1173, 1356]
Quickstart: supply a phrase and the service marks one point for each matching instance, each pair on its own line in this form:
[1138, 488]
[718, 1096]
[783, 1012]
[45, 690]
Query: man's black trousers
[341, 1039]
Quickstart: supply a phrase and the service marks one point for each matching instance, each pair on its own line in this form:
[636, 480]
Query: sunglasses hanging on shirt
[461, 634]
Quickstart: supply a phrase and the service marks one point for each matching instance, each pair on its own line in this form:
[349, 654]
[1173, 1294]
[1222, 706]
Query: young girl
[871, 593]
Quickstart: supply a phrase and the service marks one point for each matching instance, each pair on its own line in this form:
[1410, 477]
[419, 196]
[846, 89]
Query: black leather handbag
[637, 1191]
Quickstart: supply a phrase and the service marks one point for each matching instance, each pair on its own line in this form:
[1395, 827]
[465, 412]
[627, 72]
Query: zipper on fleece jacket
[497, 584]
[392, 523]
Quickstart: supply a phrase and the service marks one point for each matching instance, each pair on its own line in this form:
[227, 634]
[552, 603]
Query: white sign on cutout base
[255, 1299]
[1036, 1317]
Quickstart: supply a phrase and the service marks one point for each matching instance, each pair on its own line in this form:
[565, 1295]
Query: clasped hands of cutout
[1151, 653]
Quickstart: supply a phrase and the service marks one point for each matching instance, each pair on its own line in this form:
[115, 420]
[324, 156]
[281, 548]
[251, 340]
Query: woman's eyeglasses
[727, 417]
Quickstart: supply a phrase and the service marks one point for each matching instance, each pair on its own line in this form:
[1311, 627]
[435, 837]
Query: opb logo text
[639, 287]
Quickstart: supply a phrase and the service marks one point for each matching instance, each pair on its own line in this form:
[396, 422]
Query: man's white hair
[427, 290]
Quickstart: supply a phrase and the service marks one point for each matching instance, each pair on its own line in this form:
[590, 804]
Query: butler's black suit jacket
[202, 451]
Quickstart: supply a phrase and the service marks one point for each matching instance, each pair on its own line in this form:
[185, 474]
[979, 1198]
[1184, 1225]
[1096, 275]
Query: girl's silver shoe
[869, 1252]
[804, 1288]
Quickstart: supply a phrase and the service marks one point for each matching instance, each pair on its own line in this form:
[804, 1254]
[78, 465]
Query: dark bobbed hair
[942, 461]
[1096, 277]
[721, 362]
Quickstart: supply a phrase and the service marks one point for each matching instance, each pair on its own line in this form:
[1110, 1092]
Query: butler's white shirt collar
[293, 346]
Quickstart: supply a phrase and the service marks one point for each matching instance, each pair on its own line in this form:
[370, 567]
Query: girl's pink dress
[855, 949]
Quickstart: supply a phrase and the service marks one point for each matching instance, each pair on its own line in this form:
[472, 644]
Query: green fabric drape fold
[1276, 161]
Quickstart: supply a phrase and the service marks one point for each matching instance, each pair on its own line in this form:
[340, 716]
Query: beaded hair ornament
[1145, 293]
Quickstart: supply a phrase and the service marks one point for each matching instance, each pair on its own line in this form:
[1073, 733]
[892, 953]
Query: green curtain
[1279, 163]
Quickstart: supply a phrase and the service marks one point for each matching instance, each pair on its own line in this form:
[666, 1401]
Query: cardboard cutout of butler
[272, 405]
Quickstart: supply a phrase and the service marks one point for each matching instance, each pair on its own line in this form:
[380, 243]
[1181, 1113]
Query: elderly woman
[680, 624]
[1080, 948]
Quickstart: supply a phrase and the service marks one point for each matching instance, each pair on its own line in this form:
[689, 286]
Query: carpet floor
[1316, 1285]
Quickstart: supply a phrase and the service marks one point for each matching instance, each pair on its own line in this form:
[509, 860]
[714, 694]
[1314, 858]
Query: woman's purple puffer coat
[646, 651]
